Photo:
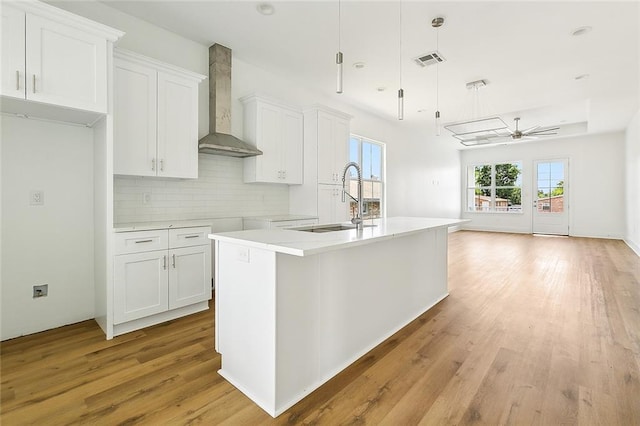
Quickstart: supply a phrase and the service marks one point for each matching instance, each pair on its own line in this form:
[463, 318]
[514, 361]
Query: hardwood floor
[536, 330]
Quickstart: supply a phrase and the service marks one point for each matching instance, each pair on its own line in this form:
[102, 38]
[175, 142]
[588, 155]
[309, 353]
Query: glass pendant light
[339, 54]
[401, 91]
[437, 23]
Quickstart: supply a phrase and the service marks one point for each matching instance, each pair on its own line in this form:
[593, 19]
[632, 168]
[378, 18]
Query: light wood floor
[536, 330]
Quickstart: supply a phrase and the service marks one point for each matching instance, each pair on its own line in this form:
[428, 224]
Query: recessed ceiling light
[422, 110]
[582, 77]
[266, 9]
[381, 89]
[581, 31]
[358, 65]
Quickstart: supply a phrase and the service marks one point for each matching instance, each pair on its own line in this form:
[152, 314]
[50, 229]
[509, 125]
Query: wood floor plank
[535, 331]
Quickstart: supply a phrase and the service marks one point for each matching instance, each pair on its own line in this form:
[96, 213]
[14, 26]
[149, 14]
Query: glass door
[550, 205]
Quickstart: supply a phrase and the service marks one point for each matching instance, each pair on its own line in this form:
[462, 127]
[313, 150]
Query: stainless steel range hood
[219, 141]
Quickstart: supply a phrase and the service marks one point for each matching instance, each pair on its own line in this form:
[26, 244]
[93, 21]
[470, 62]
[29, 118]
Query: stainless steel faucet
[358, 219]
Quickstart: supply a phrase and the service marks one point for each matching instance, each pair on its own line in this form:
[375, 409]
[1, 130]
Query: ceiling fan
[532, 132]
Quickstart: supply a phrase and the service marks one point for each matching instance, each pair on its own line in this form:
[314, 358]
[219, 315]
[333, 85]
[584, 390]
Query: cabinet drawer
[187, 237]
[141, 241]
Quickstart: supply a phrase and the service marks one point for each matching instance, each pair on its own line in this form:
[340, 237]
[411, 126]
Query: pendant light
[400, 91]
[437, 23]
[339, 54]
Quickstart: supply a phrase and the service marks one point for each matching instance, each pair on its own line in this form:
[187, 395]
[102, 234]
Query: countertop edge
[284, 249]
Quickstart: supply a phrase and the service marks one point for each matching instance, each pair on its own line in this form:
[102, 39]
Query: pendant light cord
[438, 71]
[401, 44]
[339, 24]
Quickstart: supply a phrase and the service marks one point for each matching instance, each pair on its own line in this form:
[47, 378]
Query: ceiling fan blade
[549, 129]
[541, 134]
[530, 129]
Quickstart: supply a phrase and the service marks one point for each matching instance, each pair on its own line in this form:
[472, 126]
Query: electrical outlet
[40, 290]
[146, 198]
[36, 197]
[243, 254]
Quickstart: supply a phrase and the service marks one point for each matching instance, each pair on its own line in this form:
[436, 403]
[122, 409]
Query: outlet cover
[36, 197]
[40, 290]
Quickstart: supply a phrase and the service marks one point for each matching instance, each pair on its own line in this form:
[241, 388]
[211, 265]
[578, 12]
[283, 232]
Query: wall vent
[430, 58]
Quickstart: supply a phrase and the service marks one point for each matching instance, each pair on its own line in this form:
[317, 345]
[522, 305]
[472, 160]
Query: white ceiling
[525, 51]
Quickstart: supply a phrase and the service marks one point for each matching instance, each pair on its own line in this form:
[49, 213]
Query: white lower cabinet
[141, 285]
[158, 271]
[331, 209]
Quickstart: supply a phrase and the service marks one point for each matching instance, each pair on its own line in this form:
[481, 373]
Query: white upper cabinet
[13, 52]
[155, 118]
[53, 57]
[333, 146]
[276, 129]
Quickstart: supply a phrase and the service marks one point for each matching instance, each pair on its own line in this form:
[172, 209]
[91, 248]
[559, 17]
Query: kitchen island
[295, 307]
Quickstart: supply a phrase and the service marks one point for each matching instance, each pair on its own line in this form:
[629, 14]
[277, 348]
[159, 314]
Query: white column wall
[632, 155]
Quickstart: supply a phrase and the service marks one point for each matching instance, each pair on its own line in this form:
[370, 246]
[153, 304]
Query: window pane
[376, 162]
[508, 174]
[366, 160]
[483, 175]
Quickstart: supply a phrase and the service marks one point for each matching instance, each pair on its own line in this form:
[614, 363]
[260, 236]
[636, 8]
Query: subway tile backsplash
[218, 192]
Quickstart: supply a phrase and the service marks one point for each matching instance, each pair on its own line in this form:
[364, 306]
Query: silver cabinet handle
[164, 262]
[34, 83]
[153, 164]
[174, 261]
[17, 80]
[192, 236]
[143, 241]
[162, 165]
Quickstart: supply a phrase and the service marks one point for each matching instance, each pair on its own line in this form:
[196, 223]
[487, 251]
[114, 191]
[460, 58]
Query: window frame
[383, 160]
[472, 188]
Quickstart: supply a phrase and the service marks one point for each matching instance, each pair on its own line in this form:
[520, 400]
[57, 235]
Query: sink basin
[330, 227]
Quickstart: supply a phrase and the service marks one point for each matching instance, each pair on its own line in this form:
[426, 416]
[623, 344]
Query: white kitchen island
[294, 308]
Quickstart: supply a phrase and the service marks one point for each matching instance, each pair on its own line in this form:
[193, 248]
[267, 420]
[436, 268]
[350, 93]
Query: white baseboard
[632, 246]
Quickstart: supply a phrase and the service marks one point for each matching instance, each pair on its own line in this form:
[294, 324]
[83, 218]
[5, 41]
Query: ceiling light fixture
[359, 65]
[581, 77]
[477, 131]
[581, 31]
[400, 91]
[339, 54]
[266, 9]
[437, 23]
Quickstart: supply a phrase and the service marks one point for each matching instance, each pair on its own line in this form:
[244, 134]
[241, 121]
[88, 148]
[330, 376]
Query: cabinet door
[291, 147]
[135, 120]
[177, 126]
[269, 165]
[340, 136]
[65, 66]
[326, 169]
[12, 33]
[189, 275]
[140, 285]
[331, 209]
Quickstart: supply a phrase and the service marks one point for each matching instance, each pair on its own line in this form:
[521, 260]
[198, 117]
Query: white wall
[50, 244]
[596, 183]
[632, 155]
[423, 175]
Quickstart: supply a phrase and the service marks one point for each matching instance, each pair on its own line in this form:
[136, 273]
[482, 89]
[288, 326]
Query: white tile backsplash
[218, 192]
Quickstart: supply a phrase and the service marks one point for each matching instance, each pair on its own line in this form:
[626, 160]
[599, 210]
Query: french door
[550, 205]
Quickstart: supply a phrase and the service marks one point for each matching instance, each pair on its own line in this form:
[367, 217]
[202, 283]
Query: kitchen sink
[330, 227]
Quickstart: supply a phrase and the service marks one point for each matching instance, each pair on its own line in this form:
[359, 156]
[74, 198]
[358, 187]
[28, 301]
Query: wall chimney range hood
[219, 141]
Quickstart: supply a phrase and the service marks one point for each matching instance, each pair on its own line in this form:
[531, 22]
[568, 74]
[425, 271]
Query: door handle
[34, 83]
[173, 262]
[17, 80]
[164, 262]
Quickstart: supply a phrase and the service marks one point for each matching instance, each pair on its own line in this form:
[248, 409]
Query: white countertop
[149, 226]
[300, 243]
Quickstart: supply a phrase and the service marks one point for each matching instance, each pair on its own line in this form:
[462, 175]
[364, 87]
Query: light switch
[36, 198]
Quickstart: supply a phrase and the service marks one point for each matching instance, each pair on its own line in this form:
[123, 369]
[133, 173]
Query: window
[370, 156]
[495, 187]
